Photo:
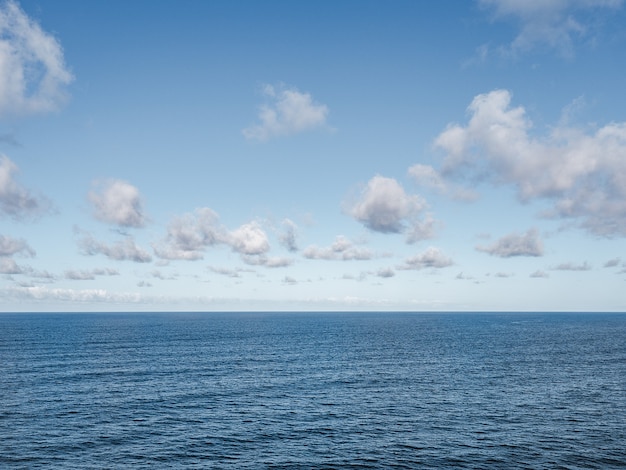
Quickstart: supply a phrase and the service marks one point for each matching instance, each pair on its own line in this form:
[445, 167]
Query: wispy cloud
[33, 75]
[16, 201]
[83, 275]
[287, 112]
[118, 202]
[539, 274]
[551, 24]
[10, 246]
[569, 266]
[341, 249]
[123, 250]
[527, 244]
[583, 173]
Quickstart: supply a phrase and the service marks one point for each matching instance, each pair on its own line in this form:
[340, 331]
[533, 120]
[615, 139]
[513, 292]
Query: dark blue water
[313, 390]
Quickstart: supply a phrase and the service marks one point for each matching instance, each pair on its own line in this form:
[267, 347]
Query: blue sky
[355, 155]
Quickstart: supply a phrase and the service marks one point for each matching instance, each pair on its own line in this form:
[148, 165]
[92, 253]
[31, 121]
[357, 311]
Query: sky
[346, 155]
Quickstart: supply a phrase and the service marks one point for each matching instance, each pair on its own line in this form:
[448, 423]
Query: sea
[313, 390]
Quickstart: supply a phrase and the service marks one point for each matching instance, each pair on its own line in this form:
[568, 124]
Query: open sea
[313, 390]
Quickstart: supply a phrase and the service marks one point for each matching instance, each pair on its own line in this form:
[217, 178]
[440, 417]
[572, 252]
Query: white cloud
[32, 69]
[189, 235]
[424, 229]
[118, 202]
[46, 294]
[572, 267]
[289, 237]
[527, 244]
[16, 201]
[268, 262]
[249, 239]
[82, 275]
[431, 258]
[9, 266]
[10, 246]
[584, 173]
[554, 24]
[341, 249]
[539, 274]
[385, 207]
[385, 272]
[288, 112]
[120, 251]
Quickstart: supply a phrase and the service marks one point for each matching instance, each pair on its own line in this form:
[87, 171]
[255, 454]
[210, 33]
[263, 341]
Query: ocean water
[312, 390]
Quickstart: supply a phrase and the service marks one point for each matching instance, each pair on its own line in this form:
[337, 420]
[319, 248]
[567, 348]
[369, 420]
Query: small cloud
[11, 246]
[249, 239]
[82, 275]
[572, 267]
[9, 266]
[120, 251]
[287, 112]
[385, 207]
[464, 277]
[503, 275]
[16, 201]
[341, 249]
[118, 202]
[539, 274]
[612, 263]
[527, 244]
[289, 235]
[33, 75]
[268, 262]
[385, 273]
[431, 258]
[289, 280]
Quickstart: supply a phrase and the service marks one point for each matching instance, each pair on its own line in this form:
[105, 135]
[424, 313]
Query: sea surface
[313, 390]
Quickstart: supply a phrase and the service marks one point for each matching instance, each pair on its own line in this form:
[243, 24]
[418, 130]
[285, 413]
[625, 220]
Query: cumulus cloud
[554, 24]
[341, 249]
[189, 235]
[249, 239]
[431, 258]
[527, 244]
[384, 206]
[123, 250]
[118, 202]
[288, 111]
[33, 74]
[583, 173]
[16, 201]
